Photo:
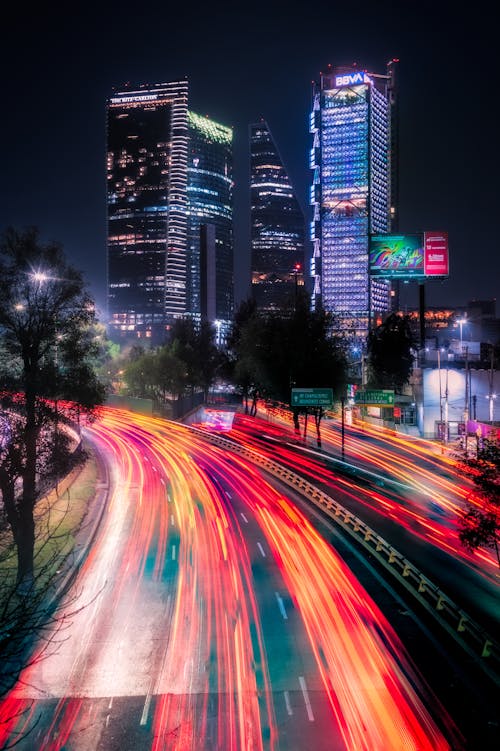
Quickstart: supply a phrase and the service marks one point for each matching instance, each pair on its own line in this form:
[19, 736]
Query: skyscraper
[277, 224]
[210, 201]
[353, 158]
[156, 206]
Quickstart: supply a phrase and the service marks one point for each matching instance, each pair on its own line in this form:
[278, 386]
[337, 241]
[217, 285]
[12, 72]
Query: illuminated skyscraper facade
[353, 159]
[278, 229]
[155, 206]
[210, 204]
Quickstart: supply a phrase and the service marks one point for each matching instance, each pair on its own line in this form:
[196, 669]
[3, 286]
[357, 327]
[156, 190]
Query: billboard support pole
[421, 303]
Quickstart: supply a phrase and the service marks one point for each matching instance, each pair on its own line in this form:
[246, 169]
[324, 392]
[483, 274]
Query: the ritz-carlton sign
[351, 79]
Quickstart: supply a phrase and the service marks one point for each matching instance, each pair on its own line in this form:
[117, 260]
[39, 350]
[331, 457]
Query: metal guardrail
[478, 644]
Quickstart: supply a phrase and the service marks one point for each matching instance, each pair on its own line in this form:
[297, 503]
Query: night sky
[243, 62]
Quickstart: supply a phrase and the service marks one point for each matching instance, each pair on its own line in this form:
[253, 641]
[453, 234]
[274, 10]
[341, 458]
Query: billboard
[413, 256]
[436, 260]
[397, 256]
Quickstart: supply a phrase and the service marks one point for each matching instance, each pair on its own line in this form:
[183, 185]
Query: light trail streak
[188, 633]
[433, 521]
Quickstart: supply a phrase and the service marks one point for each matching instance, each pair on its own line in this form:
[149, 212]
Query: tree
[46, 322]
[480, 524]
[195, 347]
[242, 362]
[390, 357]
[292, 347]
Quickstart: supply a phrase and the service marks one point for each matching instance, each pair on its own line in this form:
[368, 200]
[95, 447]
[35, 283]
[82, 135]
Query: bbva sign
[351, 79]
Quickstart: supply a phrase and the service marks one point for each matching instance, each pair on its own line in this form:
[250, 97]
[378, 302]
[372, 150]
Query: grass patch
[59, 516]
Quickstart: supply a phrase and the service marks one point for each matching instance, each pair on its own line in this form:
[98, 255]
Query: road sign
[375, 398]
[312, 397]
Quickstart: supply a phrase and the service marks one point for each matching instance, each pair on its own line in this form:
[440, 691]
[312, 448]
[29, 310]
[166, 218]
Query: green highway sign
[312, 398]
[375, 398]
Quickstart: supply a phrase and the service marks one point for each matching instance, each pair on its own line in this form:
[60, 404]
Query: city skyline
[59, 75]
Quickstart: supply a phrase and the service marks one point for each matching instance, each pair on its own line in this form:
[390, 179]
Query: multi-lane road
[215, 614]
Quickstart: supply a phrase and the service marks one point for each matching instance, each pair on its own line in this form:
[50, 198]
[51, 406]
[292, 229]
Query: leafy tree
[159, 374]
[390, 357]
[46, 322]
[244, 365]
[480, 524]
[274, 353]
[195, 347]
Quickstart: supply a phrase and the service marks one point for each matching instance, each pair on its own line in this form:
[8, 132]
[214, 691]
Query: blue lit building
[168, 173]
[353, 193]
[277, 225]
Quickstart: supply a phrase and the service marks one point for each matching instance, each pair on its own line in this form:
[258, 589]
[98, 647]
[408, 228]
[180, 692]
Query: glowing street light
[461, 322]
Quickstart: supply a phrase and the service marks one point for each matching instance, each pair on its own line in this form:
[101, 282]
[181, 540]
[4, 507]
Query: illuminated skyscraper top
[353, 161]
[277, 224]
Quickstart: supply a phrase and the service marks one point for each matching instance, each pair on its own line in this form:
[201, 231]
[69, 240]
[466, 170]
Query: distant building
[168, 172]
[353, 192]
[278, 232]
[474, 322]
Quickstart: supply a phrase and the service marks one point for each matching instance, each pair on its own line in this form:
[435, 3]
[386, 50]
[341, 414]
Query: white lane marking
[243, 517]
[154, 468]
[261, 549]
[162, 481]
[281, 606]
[168, 497]
[145, 711]
[173, 552]
[110, 703]
[306, 698]
[287, 702]
[172, 521]
[228, 494]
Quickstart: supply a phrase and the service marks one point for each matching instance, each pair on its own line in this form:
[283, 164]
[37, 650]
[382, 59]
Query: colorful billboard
[397, 256]
[436, 260]
[414, 256]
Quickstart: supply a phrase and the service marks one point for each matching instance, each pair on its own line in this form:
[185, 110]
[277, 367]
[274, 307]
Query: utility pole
[490, 395]
[466, 405]
[440, 398]
[342, 402]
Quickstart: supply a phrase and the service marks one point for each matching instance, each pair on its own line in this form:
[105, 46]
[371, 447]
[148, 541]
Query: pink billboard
[436, 262]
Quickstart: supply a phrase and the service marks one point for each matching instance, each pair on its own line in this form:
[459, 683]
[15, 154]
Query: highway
[214, 615]
[404, 488]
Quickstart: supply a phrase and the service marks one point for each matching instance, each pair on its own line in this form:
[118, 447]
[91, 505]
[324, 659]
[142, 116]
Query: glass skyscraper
[278, 228]
[353, 159]
[210, 202]
[155, 207]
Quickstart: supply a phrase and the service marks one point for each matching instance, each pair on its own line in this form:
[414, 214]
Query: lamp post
[461, 322]
[440, 394]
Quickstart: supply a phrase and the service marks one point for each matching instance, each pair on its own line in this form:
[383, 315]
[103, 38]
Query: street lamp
[461, 322]
[444, 427]
[491, 398]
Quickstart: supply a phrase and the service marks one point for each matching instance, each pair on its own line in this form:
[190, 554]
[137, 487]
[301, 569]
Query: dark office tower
[210, 221]
[353, 159]
[277, 225]
[147, 142]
